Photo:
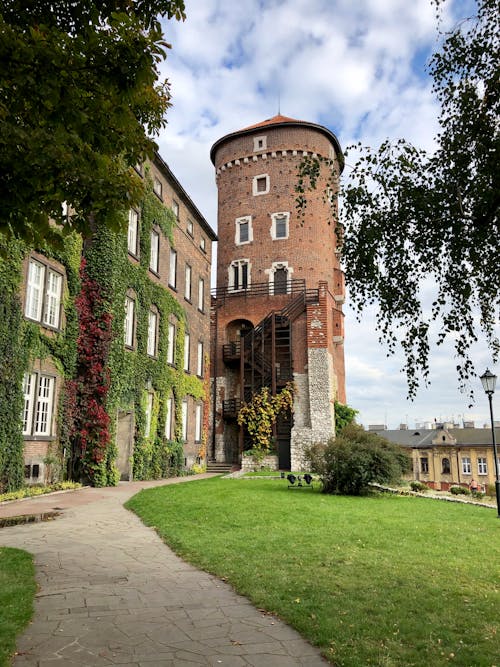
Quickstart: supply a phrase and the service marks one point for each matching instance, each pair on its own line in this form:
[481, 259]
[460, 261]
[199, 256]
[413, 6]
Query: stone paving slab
[112, 593]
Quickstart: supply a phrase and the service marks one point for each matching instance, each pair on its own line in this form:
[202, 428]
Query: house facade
[277, 309]
[112, 346]
[445, 457]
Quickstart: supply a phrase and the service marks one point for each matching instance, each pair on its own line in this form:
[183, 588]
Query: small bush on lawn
[419, 486]
[459, 490]
[354, 459]
[490, 490]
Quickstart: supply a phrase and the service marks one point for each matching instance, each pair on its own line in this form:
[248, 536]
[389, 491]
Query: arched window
[445, 463]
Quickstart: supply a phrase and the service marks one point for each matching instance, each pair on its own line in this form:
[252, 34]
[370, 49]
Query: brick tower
[277, 309]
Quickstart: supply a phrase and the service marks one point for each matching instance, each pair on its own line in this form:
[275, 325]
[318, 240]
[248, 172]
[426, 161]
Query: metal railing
[261, 289]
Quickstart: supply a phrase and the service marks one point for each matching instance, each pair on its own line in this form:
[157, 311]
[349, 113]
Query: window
[154, 254]
[203, 244]
[466, 465]
[129, 323]
[149, 413]
[175, 208]
[201, 294]
[199, 360]
[190, 228]
[172, 269]
[38, 393]
[260, 184]
[445, 466]
[133, 232]
[138, 168]
[43, 294]
[184, 420]
[171, 343]
[244, 231]
[187, 283]
[187, 341]
[482, 467]
[32, 472]
[239, 274]
[424, 464]
[198, 422]
[169, 418]
[279, 226]
[158, 188]
[152, 328]
[260, 143]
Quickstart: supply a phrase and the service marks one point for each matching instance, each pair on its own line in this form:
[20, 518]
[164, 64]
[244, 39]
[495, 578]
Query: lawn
[17, 589]
[380, 580]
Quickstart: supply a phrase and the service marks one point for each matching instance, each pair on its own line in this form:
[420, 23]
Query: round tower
[274, 259]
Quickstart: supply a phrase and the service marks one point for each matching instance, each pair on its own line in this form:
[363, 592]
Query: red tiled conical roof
[271, 121]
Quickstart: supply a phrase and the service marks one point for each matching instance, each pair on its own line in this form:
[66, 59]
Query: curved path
[112, 593]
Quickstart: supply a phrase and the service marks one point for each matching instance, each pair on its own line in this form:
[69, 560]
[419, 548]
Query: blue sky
[356, 66]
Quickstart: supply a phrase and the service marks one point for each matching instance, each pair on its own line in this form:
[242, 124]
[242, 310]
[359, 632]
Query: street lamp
[489, 380]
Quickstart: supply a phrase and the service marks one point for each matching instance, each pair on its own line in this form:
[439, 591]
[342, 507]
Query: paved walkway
[112, 593]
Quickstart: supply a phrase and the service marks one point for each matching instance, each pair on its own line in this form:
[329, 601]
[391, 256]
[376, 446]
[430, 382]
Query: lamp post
[489, 380]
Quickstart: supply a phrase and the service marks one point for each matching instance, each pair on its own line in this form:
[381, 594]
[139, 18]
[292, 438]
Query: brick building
[277, 309]
[160, 339]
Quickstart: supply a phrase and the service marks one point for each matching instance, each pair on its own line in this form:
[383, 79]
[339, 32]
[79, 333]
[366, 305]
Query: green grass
[379, 580]
[17, 590]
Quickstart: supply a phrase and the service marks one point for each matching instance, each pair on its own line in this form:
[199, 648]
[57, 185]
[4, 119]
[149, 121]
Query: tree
[344, 415]
[353, 460]
[409, 216]
[80, 100]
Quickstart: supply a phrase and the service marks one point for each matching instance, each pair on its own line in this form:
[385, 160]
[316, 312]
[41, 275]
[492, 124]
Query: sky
[354, 66]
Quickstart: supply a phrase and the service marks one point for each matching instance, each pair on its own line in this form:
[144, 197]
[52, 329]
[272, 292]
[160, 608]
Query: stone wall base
[248, 463]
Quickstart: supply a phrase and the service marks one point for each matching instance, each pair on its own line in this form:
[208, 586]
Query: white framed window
[243, 230]
[239, 274]
[203, 244]
[280, 225]
[133, 232]
[199, 360]
[260, 185]
[175, 208]
[184, 420]
[43, 294]
[149, 414]
[53, 291]
[172, 269]
[198, 422]
[152, 329]
[158, 188]
[38, 408]
[201, 294]
[260, 143]
[154, 254]
[187, 283]
[169, 418]
[482, 466]
[187, 343]
[129, 323]
[171, 343]
[190, 228]
[280, 278]
[466, 465]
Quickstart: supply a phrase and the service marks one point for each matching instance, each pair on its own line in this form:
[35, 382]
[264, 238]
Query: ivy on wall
[100, 376]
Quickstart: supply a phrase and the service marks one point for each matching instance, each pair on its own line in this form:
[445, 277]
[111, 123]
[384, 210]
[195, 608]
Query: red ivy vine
[88, 392]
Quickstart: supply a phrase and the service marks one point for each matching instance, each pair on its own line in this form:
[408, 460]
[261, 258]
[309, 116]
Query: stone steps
[219, 468]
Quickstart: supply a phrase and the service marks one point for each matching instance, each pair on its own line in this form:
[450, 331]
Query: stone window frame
[260, 143]
[445, 466]
[245, 219]
[33, 404]
[274, 218]
[255, 185]
[48, 300]
[239, 263]
[270, 272]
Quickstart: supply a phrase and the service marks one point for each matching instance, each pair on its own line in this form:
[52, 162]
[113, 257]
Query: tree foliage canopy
[414, 222]
[80, 100]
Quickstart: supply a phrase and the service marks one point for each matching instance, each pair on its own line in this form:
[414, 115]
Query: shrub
[490, 490]
[459, 490]
[349, 463]
[419, 486]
